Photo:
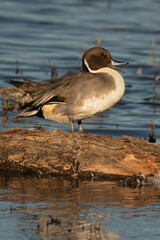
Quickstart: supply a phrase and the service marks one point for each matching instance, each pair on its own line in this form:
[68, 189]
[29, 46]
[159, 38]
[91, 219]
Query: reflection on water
[63, 209]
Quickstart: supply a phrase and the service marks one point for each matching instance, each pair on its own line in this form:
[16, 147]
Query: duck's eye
[102, 54]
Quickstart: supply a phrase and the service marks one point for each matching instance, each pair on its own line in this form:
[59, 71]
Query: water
[32, 32]
[83, 210]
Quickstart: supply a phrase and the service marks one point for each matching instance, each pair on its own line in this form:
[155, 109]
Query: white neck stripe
[90, 70]
[101, 70]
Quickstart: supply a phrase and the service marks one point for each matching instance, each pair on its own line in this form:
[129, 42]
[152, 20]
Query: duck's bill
[117, 63]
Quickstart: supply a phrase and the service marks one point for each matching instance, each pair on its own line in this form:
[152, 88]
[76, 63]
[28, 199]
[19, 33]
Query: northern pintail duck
[80, 95]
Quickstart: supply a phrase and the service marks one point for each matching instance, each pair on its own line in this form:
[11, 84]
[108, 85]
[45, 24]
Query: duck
[81, 94]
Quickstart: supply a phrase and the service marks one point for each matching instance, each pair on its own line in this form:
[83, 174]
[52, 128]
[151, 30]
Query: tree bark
[78, 155]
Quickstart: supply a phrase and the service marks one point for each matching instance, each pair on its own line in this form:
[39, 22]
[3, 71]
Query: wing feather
[56, 93]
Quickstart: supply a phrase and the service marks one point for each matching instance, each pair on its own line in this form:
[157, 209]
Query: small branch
[98, 42]
[154, 67]
[54, 73]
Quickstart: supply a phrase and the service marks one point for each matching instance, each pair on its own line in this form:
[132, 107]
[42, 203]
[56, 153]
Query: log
[76, 155]
[24, 91]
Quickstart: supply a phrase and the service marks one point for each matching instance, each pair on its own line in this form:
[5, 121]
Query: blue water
[34, 32]
[85, 210]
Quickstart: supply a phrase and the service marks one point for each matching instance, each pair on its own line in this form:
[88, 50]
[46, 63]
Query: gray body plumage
[69, 95]
[79, 95]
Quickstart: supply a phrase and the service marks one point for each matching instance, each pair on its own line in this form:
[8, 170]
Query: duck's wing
[57, 93]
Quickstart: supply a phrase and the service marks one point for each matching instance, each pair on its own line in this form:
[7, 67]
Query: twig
[98, 42]
[81, 51]
[108, 3]
[17, 67]
[152, 137]
[154, 57]
[154, 67]
[54, 73]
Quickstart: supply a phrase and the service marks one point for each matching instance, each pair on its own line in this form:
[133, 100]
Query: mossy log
[76, 155]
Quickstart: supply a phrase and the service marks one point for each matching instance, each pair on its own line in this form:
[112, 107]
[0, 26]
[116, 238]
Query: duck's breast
[97, 93]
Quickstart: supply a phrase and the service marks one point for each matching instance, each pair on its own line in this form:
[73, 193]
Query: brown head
[96, 58]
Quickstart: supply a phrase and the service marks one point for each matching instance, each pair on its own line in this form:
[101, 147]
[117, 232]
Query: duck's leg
[80, 126]
[71, 130]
